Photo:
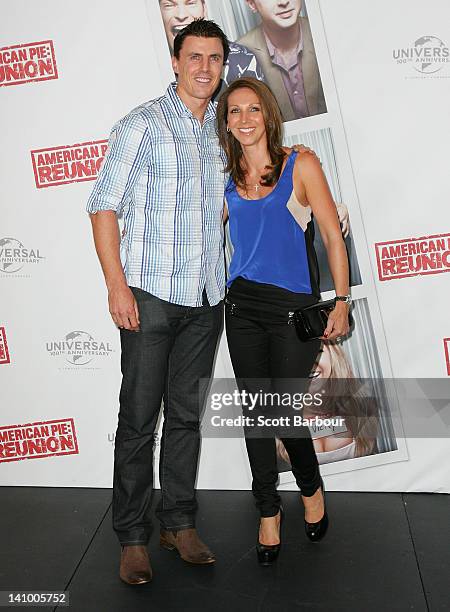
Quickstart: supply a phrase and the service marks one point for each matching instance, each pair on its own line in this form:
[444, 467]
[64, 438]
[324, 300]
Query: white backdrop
[389, 123]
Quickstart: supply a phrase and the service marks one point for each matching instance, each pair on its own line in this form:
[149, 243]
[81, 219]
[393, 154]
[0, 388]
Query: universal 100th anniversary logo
[79, 349]
[428, 55]
[17, 257]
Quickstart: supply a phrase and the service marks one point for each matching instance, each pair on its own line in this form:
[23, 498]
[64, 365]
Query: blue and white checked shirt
[164, 172]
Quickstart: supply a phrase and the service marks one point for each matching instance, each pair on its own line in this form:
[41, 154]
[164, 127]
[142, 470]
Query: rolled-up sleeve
[125, 157]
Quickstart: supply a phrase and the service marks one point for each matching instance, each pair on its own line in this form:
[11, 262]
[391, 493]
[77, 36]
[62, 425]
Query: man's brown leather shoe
[135, 565]
[188, 545]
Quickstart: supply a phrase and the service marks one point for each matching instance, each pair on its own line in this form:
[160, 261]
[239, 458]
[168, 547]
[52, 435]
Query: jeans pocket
[153, 312]
[141, 295]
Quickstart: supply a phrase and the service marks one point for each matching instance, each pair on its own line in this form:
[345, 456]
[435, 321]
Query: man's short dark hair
[203, 28]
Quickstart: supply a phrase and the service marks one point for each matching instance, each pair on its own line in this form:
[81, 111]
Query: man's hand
[122, 305]
[299, 148]
[344, 219]
[123, 308]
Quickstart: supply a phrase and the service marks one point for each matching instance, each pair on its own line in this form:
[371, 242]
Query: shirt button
[296, 92]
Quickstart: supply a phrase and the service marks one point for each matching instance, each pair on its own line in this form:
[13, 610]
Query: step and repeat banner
[366, 85]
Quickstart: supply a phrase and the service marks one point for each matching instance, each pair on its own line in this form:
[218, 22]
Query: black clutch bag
[311, 321]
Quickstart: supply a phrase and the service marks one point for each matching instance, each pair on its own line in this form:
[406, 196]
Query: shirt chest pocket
[174, 159]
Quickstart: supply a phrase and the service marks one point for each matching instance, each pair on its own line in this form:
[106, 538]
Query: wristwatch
[344, 298]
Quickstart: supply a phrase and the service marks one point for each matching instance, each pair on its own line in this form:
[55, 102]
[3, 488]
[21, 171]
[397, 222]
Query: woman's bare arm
[311, 186]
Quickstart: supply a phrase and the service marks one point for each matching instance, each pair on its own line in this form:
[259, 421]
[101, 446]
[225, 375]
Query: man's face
[275, 13]
[199, 66]
[177, 14]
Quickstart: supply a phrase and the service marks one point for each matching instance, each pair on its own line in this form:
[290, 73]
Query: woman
[344, 397]
[270, 199]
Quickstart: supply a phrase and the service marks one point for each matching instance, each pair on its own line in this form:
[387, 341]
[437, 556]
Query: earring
[228, 128]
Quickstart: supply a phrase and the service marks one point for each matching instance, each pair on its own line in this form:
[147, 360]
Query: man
[164, 173]
[177, 14]
[284, 47]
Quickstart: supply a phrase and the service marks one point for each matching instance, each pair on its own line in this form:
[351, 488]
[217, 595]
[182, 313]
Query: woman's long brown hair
[274, 131]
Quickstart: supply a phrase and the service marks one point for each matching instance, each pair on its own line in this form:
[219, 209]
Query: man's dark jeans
[163, 361]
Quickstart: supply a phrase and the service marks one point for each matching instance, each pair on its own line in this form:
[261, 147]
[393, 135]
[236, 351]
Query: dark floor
[383, 552]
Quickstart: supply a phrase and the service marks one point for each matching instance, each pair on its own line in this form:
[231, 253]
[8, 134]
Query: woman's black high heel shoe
[316, 531]
[268, 554]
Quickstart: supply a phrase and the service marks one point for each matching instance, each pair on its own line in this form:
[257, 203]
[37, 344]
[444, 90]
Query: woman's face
[245, 117]
[322, 368]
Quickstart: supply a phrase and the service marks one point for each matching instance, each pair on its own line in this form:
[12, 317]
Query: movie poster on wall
[252, 53]
[302, 80]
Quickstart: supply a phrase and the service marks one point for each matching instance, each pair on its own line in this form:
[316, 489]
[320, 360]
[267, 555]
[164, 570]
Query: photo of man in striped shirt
[164, 174]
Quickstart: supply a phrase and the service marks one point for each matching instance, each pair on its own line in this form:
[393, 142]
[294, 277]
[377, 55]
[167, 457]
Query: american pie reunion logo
[447, 353]
[27, 63]
[36, 440]
[68, 164]
[413, 256]
[4, 351]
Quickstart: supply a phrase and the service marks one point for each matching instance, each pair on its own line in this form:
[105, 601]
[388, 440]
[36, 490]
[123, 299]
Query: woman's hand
[337, 326]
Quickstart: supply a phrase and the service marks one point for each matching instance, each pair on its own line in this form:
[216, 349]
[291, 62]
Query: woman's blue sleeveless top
[273, 237]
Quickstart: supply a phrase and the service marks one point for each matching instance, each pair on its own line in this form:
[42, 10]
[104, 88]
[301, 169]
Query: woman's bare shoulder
[308, 162]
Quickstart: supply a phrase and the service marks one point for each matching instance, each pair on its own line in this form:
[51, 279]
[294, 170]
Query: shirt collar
[180, 107]
[273, 50]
